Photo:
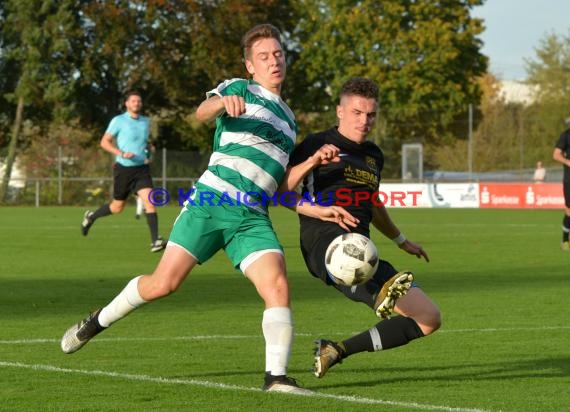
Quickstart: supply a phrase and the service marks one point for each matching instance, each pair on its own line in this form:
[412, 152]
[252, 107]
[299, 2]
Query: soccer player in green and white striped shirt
[255, 135]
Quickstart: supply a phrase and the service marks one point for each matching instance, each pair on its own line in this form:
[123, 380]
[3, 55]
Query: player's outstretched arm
[214, 106]
[335, 214]
[382, 221]
[327, 153]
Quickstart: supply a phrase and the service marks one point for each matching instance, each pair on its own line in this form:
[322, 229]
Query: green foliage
[423, 54]
[550, 74]
[39, 47]
[75, 59]
[514, 136]
[550, 71]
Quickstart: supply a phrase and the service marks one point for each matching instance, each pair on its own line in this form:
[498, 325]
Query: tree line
[516, 135]
[66, 65]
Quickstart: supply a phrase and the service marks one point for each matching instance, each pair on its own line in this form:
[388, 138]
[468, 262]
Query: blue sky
[514, 29]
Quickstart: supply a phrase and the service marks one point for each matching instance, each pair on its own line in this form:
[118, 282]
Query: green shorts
[203, 230]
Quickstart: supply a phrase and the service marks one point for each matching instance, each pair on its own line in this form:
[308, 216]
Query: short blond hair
[261, 31]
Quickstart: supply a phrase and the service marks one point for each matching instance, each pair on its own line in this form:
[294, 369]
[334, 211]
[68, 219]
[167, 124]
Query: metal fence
[176, 172]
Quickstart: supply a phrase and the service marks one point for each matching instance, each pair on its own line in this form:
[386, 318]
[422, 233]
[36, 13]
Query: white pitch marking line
[486, 330]
[32, 341]
[139, 339]
[223, 386]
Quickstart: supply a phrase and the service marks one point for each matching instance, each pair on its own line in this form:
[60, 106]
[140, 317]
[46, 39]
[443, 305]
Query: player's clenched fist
[234, 105]
[327, 153]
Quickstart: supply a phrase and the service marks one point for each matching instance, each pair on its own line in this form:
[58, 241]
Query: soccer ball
[351, 259]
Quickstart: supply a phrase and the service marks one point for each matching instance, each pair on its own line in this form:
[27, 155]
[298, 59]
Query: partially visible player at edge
[127, 138]
[562, 154]
[255, 135]
[360, 171]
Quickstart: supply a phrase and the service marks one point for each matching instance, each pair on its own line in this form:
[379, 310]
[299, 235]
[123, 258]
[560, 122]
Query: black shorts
[566, 188]
[127, 180]
[366, 293]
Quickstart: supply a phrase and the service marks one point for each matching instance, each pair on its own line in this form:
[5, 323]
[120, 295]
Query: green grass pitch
[499, 277]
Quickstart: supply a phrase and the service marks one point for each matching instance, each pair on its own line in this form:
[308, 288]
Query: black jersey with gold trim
[358, 173]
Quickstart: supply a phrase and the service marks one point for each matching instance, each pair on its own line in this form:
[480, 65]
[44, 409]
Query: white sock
[140, 206]
[128, 300]
[277, 328]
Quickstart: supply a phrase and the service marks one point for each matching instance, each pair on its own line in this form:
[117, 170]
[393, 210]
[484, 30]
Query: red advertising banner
[521, 195]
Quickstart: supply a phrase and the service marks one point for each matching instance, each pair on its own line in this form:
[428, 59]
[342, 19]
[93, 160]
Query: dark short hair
[359, 86]
[261, 31]
[132, 93]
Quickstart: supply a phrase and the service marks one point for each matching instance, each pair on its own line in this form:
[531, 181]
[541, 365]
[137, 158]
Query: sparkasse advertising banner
[521, 195]
[473, 195]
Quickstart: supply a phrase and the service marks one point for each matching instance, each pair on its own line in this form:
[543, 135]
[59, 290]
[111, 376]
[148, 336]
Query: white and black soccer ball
[351, 259]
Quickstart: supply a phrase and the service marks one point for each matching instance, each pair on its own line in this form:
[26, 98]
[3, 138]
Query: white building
[517, 92]
[17, 177]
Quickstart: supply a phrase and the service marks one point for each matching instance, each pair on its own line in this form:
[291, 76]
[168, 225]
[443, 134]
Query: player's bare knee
[281, 283]
[435, 321]
[275, 293]
[277, 297]
[155, 287]
[164, 289]
[116, 206]
[429, 321]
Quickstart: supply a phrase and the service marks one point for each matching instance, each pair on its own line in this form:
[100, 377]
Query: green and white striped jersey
[250, 152]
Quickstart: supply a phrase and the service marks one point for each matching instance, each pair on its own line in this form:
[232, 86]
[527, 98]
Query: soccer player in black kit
[357, 174]
[562, 154]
